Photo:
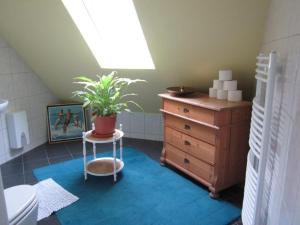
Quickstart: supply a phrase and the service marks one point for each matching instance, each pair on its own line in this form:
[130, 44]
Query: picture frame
[66, 122]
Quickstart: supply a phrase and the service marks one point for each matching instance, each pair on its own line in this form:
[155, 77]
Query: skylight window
[112, 31]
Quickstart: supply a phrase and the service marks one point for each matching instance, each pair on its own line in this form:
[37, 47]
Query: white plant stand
[103, 166]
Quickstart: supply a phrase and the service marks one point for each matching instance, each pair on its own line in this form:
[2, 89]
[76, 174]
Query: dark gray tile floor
[19, 170]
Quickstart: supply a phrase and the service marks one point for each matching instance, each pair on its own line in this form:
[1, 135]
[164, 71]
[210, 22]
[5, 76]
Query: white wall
[25, 91]
[142, 125]
[282, 34]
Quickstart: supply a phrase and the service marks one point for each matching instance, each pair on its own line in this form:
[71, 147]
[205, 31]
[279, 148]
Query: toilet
[22, 205]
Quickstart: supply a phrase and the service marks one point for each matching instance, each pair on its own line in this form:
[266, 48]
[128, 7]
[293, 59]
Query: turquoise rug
[146, 194]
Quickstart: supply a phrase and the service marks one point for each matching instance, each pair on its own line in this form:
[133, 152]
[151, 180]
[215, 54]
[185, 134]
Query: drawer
[200, 168]
[175, 155]
[190, 111]
[190, 163]
[204, 133]
[190, 145]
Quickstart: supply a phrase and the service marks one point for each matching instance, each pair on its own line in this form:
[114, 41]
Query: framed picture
[65, 122]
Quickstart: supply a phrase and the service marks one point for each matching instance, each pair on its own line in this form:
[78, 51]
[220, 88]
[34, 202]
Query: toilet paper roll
[225, 75]
[222, 94]
[235, 96]
[213, 92]
[230, 85]
[218, 84]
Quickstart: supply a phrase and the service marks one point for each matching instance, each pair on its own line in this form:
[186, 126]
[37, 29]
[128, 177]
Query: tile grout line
[47, 156]
[23, 168]
[282, 38]
[68, 150]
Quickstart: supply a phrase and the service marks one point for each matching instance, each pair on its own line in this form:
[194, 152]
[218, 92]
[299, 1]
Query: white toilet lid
[18, 198]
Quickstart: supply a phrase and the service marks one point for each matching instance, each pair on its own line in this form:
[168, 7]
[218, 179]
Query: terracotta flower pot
[105, 125]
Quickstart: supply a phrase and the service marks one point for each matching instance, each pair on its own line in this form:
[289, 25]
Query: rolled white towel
[230, 85]
[225, 75]
[235, 96]
[218, 84]
[213, 92]
[222, 94]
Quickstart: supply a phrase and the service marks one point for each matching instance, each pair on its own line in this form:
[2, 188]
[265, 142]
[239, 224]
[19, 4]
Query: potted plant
[106, 97]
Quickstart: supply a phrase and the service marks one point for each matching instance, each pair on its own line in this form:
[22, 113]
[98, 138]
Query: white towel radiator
[259, 140]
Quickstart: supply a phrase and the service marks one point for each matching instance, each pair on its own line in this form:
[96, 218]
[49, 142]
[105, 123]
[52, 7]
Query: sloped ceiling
[190, 40]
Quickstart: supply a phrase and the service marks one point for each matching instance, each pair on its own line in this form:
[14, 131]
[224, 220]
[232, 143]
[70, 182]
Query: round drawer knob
[185, 110]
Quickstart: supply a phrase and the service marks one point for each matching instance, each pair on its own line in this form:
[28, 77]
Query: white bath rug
[52, 197]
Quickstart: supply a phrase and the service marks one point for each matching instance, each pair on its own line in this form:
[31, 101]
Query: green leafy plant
[107, 95]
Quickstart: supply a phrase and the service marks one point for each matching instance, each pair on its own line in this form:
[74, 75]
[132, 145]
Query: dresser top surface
[203, 100]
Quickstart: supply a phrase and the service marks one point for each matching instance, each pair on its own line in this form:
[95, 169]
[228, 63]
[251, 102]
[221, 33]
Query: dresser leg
[163, 157]
[214, 195]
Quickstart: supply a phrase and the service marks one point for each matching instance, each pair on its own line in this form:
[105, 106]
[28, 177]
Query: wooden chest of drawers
[207, 139]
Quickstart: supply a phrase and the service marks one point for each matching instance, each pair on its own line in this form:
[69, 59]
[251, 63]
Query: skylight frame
[102, 24]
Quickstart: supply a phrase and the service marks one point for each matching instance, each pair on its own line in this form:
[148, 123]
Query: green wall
[190, 40]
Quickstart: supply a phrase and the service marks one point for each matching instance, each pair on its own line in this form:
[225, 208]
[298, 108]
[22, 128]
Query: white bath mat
[52, 197]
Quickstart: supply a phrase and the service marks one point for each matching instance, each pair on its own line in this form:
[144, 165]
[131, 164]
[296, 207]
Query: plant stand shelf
[103, 166]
